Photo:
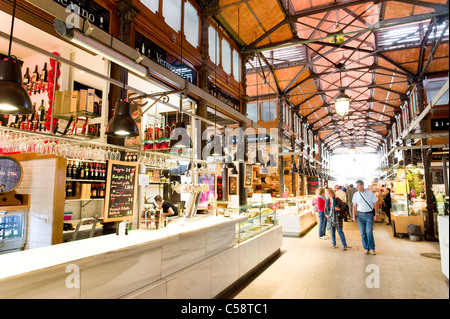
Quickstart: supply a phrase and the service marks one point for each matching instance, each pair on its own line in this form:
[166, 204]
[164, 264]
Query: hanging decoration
[53, 75]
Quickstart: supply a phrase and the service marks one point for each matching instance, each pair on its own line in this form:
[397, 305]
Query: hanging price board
[121, 191]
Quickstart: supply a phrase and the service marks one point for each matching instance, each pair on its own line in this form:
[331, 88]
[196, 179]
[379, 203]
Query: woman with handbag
[335, 211]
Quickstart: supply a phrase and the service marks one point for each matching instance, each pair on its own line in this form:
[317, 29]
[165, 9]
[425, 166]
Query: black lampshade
[294, 168]
[122, 124]
[14, 99]
[271, 162]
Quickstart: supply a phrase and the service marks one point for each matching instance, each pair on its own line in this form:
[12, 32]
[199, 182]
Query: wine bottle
[83, 171]
[42, 112]
[69, 170]
[26, 79]
[91, 171]
[167, 132]
[35, 80]
[44, 74]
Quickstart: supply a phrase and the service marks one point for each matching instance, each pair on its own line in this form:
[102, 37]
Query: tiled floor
[309, 268]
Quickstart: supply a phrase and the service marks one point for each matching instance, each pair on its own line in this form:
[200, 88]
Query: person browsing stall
[168, 208]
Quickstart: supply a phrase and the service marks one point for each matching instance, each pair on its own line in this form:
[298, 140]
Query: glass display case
[261, 217]
[406, 212]
[296, 214]
[404, 207]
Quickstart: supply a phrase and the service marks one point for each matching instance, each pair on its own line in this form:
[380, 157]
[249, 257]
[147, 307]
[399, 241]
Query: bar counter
[114, 266]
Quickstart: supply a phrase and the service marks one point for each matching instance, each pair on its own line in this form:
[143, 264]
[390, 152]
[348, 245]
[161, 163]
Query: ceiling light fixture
[342, 103]
[122, 124]
[13, 97]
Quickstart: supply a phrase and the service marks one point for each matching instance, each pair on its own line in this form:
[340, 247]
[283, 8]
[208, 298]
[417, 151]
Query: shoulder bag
[373, 209]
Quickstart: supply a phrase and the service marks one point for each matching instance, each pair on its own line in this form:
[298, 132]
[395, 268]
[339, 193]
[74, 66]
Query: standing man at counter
[168, 208]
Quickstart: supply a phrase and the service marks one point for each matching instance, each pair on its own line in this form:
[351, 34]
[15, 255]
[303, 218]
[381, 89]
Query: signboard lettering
[157, 54]
[89, 10]
[121, 191]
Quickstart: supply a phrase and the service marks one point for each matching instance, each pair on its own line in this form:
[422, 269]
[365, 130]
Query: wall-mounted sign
[121, 190]
[440, 124]
[90, 10]
[225, 97]
[157, 54]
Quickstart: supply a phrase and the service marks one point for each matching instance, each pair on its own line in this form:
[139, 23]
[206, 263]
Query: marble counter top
[31, 260]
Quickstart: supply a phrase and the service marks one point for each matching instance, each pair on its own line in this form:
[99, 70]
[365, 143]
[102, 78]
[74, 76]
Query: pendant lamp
[271, 162]
[14, 99]
[342, 103]
[257, 160]
[122, 124]
[241, 155]
[264, 169]
[294, 168]
[180, 129]
[234, 170]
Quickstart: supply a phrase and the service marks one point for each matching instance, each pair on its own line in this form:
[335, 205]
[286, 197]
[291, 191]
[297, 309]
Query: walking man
[365, 212]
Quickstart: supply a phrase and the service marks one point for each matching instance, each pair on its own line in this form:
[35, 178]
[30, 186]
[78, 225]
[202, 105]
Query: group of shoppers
[336, 206]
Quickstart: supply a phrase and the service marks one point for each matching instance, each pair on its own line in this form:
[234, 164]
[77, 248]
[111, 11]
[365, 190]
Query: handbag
[373, 209]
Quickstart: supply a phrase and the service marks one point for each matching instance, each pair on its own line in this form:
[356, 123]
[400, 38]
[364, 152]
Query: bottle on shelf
[82, 171]
[26, 79]
[150, 133]
[69, 170]
[96, 176]
[161, 131]
[44, 73]
[69, 192]
[102, 191]
[42, 112]
[74, 171]
[156, 132]
[167, 131]
[35, 80]
[93, 191]
[91, 170]
[146, 133]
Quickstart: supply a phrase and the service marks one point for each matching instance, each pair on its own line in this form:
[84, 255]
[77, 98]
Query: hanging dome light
[294, 168]
[257, 160]
[122, 124]
[14, 99]
[264, 169]
[342, 103]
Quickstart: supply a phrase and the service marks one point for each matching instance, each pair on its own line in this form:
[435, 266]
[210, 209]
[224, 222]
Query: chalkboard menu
[120, 199]
[312, 185]
[10, 174]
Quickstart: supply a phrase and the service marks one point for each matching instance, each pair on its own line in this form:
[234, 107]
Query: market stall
[408, 203]
[295, 215]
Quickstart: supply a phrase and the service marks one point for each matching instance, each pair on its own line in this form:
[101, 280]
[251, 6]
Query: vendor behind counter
[169, 209]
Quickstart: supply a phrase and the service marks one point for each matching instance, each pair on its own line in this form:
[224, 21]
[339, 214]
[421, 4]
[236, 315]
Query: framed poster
[208, 198]
[121, 191]
[248, 175]
[233, 184]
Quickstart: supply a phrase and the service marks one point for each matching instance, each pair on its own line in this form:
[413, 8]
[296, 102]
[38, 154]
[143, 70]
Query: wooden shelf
[25, 199]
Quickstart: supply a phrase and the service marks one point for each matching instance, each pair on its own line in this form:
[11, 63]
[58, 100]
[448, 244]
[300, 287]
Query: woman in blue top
[335, 211]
